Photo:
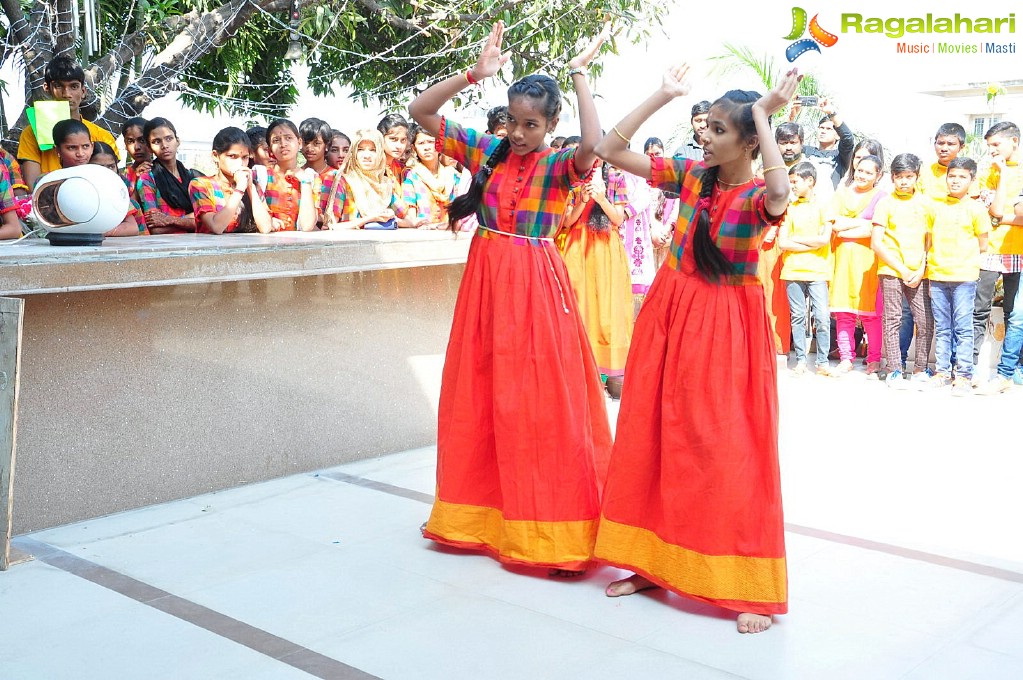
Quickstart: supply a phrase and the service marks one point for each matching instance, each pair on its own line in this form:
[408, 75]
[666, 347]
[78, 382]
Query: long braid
[246, 220]
[469, 202]
[710, 261]
[598, 220]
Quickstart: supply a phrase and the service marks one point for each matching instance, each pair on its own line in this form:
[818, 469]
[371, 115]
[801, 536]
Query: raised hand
[794, 110]
[491, 60]
[780, 94]
[583, 59]
[241, 178]
[676, 81]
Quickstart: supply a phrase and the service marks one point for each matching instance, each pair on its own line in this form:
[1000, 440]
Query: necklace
[728, 184]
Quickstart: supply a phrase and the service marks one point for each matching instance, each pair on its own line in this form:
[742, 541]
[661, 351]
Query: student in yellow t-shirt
[805, 241]
[898, 237]
[63, 79]
[955, 243]
[948, 143]
[999, 187]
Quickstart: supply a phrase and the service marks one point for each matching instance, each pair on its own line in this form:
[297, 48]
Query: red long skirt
[523, 439]
[693, 496]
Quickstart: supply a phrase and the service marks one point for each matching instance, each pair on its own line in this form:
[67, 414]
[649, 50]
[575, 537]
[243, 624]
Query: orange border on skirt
[564, 545]
[723, 579]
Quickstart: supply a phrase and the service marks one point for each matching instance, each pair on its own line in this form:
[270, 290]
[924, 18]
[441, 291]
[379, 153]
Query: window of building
[982, 124]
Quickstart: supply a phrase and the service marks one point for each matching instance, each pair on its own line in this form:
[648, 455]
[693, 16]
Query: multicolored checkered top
[738, 217]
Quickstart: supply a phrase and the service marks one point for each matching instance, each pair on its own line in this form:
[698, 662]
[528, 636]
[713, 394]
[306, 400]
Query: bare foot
[628, 586]
[754, 623]
[565, 573]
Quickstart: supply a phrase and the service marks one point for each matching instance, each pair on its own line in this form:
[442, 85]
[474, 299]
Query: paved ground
[905, 554]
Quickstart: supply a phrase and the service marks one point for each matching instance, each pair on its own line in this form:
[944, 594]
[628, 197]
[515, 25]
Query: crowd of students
[908, 251]
[279, 178]
[902, 250]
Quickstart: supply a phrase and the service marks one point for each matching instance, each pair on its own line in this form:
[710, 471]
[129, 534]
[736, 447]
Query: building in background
[977, 106]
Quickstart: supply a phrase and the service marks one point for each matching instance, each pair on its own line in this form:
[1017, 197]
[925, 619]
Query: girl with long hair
[523, 435]
[693, 495]
[289, 190]
[163, 190]
[230, 201]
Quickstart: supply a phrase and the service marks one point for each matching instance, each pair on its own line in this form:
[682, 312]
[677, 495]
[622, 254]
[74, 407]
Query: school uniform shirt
[132, 179]
[1005, 247]
[13, 170]
[955, 253]
[7, 203]
[906, 221]
[136, 211]
[345, 210]
[321, 190]
[49, 160]
[430, 194]
[805, 218]
[283, 192]
[210, 196]
[150, 197]
[934, 184]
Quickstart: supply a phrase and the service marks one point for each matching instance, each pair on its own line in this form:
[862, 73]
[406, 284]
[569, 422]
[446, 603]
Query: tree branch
[65, 25]
[130, 47]
[16, 22]
[492, 13]
[198, 35]
[392, 19]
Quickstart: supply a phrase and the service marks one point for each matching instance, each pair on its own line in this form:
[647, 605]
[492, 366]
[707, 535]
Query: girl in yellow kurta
[854, 289]
[599, 270]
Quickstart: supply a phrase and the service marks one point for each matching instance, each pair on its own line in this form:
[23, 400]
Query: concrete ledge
[157, 368]
[33, 266]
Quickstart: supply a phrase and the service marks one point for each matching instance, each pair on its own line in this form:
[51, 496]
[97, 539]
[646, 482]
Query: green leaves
[383, 55]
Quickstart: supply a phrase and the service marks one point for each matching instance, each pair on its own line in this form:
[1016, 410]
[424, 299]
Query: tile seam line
[820, 534]
[190, 612]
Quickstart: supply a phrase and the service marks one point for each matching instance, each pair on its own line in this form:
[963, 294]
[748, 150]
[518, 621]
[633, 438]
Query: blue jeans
[818, 292]
[952, 303]
[1013, 341]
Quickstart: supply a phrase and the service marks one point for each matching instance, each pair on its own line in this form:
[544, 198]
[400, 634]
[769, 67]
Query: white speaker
[76, 206]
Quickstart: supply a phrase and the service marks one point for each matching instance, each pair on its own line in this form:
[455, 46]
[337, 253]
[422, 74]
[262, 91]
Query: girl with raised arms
[523, 436]
[693, 495]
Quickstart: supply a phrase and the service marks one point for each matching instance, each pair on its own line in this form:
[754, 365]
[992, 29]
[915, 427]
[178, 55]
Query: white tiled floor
[341, 569]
